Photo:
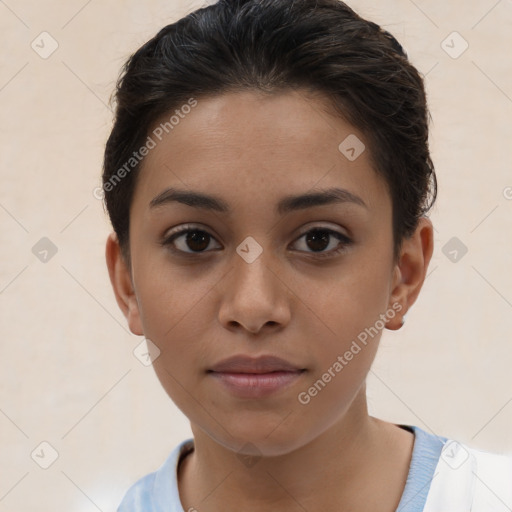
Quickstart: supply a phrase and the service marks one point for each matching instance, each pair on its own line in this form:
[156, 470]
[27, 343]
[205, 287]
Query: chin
[261, 438]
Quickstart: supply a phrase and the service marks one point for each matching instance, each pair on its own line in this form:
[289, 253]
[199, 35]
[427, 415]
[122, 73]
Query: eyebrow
[285, 205]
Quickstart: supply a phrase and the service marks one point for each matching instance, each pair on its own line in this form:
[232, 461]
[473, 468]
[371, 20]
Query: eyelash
[345, 241]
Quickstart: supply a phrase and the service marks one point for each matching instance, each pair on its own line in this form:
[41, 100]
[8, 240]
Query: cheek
[167, 293]
[176, 312]
[174, 323]
[351, 301]
[347, 323]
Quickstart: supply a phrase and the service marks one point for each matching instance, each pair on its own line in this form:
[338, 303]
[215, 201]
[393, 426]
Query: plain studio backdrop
[75, 397]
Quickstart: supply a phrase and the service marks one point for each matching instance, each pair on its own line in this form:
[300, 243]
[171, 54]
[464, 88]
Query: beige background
[69, 376]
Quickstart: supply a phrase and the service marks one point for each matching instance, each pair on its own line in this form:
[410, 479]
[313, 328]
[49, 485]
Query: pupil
[195, 237]
[315, 237]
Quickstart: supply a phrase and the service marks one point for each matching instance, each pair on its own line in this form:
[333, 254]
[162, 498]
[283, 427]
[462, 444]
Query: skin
[251, 150]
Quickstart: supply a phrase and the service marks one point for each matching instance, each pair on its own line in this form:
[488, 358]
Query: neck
[326, 472]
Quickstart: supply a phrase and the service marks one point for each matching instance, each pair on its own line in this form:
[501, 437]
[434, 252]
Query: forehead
[253, 146]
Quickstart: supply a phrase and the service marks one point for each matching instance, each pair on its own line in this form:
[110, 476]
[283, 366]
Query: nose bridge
[254, 294]
[252, 272]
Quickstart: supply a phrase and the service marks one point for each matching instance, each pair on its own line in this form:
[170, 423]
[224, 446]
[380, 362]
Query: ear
[411, 269]
[120, 277]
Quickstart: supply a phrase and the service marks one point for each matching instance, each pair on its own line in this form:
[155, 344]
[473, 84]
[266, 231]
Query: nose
[254, 296]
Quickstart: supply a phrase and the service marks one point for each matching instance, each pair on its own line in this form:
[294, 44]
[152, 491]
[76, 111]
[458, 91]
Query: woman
[268, 178]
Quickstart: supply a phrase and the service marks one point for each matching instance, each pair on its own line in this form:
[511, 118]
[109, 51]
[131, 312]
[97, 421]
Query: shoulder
[138, 497]
[492, 480]
[157, 491]
[467, 478]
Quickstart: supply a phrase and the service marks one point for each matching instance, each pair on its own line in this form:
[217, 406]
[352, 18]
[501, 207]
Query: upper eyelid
[197, 227]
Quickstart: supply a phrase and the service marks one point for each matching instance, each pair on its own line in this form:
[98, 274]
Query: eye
[320, 238]
[198, 241]
[194, 238]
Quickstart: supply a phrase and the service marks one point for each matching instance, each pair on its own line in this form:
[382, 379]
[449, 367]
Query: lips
[246, 377]
[246, 364]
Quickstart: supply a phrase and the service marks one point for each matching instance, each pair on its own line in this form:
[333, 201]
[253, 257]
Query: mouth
[259, 365]
[247, 377]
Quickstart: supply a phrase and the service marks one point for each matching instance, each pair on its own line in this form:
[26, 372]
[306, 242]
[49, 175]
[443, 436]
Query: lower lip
[256, 385]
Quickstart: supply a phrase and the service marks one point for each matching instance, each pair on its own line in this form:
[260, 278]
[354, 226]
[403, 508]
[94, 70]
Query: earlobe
[120, 278]
[411, 270]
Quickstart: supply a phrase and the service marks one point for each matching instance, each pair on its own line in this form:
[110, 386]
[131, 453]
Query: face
[253, 270]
